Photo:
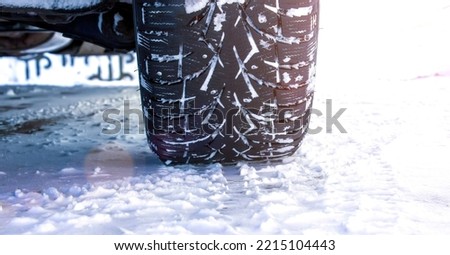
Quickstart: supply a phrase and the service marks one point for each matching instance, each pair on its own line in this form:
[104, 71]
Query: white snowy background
[387, 62]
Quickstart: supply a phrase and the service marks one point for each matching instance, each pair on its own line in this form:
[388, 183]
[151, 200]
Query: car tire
[226, 80]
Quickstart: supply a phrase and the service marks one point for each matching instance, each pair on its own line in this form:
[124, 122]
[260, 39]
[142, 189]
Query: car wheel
[226, 80]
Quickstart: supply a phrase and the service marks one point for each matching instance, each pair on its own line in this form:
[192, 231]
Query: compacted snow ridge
[385, 170]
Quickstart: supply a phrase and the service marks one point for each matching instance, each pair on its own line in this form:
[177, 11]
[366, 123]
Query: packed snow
[385, 172]
[197, 5]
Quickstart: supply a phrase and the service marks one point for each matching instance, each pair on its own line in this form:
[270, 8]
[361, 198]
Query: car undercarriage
[103, 22]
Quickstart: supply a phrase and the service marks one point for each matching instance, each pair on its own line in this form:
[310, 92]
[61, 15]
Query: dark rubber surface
[228, 82]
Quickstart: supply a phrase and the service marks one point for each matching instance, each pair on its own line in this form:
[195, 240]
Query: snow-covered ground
[386, 62]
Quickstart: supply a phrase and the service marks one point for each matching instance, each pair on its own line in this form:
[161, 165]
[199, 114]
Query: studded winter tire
[226, 80]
